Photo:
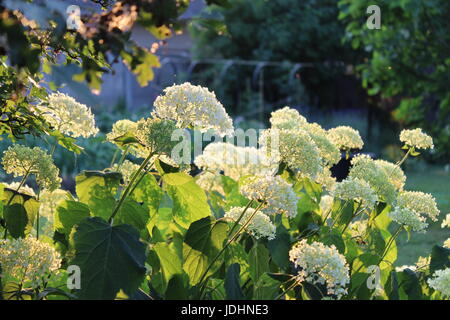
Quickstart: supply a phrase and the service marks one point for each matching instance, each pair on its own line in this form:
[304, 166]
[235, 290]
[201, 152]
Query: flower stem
[128, 188]
[234, 237]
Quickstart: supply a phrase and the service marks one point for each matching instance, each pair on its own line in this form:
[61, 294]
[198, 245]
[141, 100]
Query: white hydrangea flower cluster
[287, 118]
[326, 180]
[20, 160]
[355, 189]
[409, 218]
[210, 182]
[412, 209]
[416, 138]
[321, 264]
[446, 221]
[296, 149]
[28, 260]
[260, 226]
[24, 189]
[367, 169]
[234, 161]
[395, 174]
[420, 202]
[303, 146]
[329, 151]
[120, 128]
[156, 135]
[346, 138]
[276, 194]
[127, 169]
[70, 117]
[440, 281]
[193, 107]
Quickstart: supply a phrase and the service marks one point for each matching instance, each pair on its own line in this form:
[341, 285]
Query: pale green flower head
[210, 182]
[345, 138]
[20, 160]
[329, 152]
[440, 281]
[422, 203]
[193, 107]
[365, 168]
[277, 195]
[235, 161]
[395, 174]
[260, 226]
[121, 128]
[28, 261]
[321, 264]
[410, 218]
[416, 138]
[287, 118]
[295, 148]
[355, 189]
[70, 117]
[155, 134]
[325, 179]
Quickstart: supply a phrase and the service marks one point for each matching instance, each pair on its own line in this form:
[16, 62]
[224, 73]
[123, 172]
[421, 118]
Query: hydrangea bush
[253, 222]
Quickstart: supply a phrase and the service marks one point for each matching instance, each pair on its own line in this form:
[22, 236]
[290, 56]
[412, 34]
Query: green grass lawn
[436, 181]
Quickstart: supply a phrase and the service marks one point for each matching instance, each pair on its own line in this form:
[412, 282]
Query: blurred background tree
[408, 63]
[39, 37]
[293, 31]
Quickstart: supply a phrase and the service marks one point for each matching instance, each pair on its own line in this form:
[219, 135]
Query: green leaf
[333, 237]
[68, 214]
[280, 246]
[16, 219]
[232, 283]
[170, 262]
[163, 167]
[410, 285]
[189, 203]
[176, 289]
[132, 213]
[258, 261]
[149, 193]
[203, 241]
[439, 258]
[177, 179]
[97, 190]
[266, 288]
[111, 258]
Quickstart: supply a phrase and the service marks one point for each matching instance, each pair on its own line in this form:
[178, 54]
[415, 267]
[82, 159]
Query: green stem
[240, 217]
[391, 240]
[292, 286]
[229, 241]
[140, 178]
[114, 158]
[338, 216]
[122, 158]
[129, 186]
[404, 158]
